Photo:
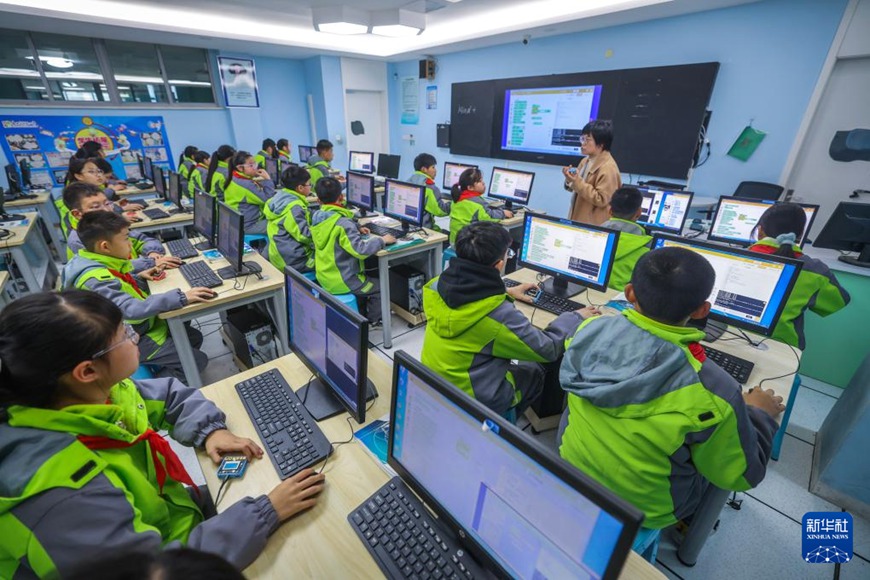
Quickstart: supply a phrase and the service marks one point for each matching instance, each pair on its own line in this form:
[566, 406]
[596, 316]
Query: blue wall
[771, 54]
[323, 78]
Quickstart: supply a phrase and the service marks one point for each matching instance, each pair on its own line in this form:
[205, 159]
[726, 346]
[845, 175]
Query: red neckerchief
[430, 181]
[240, 175]
[697, 351]
[159, 448]
[468, 194]
[765, 249]
[129, 279]
[201, 165]
[284, 154]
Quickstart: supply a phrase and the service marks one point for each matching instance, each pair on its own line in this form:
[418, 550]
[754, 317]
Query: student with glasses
[290, 221]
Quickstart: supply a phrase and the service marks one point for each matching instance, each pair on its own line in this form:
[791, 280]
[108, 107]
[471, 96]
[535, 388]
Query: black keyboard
[181, 248]
[155, 213]
[547, 301]
[508, 283]
[405, 540]
[737, 367]
[290, 436]
[380, 230]
[199, 274]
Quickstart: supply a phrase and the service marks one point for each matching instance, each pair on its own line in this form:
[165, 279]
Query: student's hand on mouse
[296, 493]
[519, 292]
[508, 213]
[223, 441]
[766, 400]
[165, 261]
[199, 294]
[588, 312]
[388, 239]
[364, 231]
[133, 207]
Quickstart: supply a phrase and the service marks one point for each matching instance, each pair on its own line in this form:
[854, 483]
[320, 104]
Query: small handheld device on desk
[232, 467]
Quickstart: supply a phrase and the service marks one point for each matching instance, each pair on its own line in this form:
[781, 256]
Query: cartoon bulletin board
[47, 143]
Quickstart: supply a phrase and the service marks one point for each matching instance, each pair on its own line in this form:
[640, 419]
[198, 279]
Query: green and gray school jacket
[318, 167]
[289, 231]
[652, 419]
[435, 205]
[284, 159]
[219, 180]
[340, 251]
[141, 244]
[249, 198]
[633, 244]
[474, 330]
[260, 158]
[62, 503]
[197, 180]
[470, 210]
[111, 278]
[184, 170]
[816, 289]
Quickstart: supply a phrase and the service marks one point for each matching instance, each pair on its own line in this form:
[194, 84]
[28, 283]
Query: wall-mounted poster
[239, 81]
[47, 143]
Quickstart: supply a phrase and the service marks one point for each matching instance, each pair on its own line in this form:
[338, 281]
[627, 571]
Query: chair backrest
[758, 190]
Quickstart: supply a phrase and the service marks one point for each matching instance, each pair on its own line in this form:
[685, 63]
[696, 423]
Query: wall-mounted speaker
[442, 135]
[427, 69]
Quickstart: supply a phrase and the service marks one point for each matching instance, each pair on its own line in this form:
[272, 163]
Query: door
[364, 111]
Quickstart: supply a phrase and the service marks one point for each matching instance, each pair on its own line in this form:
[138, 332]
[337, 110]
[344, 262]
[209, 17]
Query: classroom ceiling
[285, 27]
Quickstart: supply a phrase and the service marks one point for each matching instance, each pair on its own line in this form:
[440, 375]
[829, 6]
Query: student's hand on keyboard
[166, 261]
[388, 239]
[296, 493]
[222, 442]
[199, 294]
[508, 213]
[588, 312]
[767, 401]
[519, 292]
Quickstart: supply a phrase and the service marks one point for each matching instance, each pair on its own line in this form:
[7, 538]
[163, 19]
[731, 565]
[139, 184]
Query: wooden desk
[31, 254]
[44, 205]
[174, 221]
[251, 289]
[4, 298]
[133, 193]
[319, 543]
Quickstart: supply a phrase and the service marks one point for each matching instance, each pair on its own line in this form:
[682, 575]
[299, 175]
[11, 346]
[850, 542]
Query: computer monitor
[332, 340]
[173, 192]
[751, 289]
[362, 162]
[736, 219]
[848, 230]
[26, 177]
[664, 210]
[405, 202]
[360, 192]
[204, 217]
[147, 167]
[515, 506]
[306, 151]
[272, 169]
[452, 171]
[159, 182]
[13, 178]
[388, 165]
[231, 243]
[511, 186]
[574, 254]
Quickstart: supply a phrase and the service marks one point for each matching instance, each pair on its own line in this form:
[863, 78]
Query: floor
[761, 540]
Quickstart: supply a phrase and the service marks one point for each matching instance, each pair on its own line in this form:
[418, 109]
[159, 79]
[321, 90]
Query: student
[816, 288]
[468, 205]
[82, 467]
[247, 190]
[186, 163]
[319, 164]
[84, 170]
[103, 267]
[146, 252]
[425, 170]
[113, 182]
[596, 177]
[474, 330]
[285, 156]
[199, 173]
[268, 150]
[340, 250]
[290, 222]
[649, 416]
[90, 150]
[625, 209]
[219, 171]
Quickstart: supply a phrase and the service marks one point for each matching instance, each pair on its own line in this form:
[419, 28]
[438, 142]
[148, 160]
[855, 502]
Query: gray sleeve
[445, 204]
[496, 213]
[188, 414]
[149, 244]
[298, 213]
[266, 189]
[133, 308]
[74, 243]
[142, 263]
[548, 344]
[367, 247]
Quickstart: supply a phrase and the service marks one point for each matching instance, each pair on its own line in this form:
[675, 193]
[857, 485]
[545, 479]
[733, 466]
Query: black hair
[467, 179]
[223, 153]
[188, 152]
[282, 143]
[424, 160]
[177, 564]
[483, 242]
[44, 336]
[238, 158]
[104, 166]
[328, 189]
[601, 131]
[671, 283]
[783, 218]
[76, 192]
[625, 202]
[323, 145]
[200, 156]
[89, 149]
[294, 176]
[98, 226]
[267, 143]
[76, 166]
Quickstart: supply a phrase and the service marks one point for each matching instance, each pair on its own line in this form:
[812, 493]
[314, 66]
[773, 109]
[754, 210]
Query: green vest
[328, 238]
[318, 170]
[187, 165]
[465, 212]
[287, 222]
[67, 221]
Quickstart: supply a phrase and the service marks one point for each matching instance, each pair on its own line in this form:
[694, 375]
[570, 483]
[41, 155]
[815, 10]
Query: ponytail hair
[199, 157]
[223, 153]
[238, 158]
[188, 152]
[784, 222]
[466, 181]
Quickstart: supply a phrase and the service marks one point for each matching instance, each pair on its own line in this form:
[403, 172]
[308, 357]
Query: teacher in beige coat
[595, 178]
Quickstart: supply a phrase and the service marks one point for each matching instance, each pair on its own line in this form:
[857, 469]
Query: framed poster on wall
[239, 81]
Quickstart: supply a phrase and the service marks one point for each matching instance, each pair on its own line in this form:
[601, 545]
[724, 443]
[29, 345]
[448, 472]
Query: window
[137, 72]
[19, 78]
[71, 67]
[188, 74]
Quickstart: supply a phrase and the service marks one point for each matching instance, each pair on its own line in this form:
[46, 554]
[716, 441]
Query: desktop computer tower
[406, 288]
[250, 333]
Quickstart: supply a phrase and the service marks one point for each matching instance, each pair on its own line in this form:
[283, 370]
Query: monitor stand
[203, 246]
[248, 268]
[863, 259]
[560, 287]
[320, 401]
[712, 329]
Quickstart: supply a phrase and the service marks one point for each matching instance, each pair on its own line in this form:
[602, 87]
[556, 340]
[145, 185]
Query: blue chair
[312, 276]
[646, 543]
[143, 372]
[449, 253]
[254, 240]
[349, 300]
[780, 434]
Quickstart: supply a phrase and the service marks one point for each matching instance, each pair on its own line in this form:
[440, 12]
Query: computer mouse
[134, 219]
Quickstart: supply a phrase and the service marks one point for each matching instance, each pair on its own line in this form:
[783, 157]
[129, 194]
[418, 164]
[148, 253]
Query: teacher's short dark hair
[601, 131]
